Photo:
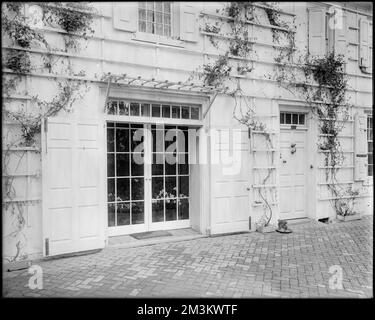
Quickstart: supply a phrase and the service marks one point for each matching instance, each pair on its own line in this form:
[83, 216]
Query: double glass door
[147, 177]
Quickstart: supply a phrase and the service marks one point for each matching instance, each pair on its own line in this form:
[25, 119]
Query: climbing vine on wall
[75, 19]
[239, 47]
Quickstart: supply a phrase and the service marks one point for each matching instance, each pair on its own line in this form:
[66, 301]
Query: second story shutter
[360, 147]
[364, 59]
[341, 39]
[189, 22]
[125, 16]
[317, 31]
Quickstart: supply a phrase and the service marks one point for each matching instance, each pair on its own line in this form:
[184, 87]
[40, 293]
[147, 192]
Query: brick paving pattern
[243, 265]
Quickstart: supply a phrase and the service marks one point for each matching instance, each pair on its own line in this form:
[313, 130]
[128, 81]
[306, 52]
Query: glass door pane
[125, 172]
[169, 174]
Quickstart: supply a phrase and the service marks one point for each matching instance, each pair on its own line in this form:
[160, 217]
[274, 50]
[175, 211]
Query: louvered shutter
[360, 149]
[341, 39]
[189, 22]
[317, 31]
[125, 16]
[364, 57]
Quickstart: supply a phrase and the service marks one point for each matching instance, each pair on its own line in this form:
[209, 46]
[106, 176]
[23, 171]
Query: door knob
[248, 188]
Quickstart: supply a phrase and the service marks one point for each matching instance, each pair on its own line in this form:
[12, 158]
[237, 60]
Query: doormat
[150, 234]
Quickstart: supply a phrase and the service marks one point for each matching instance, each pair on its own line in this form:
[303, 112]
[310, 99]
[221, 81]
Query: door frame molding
[311, 154]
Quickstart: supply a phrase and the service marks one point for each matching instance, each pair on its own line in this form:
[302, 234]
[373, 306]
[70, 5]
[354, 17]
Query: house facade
[103, 169]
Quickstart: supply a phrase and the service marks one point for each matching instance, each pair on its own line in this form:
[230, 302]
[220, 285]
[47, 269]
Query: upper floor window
[369, 146]
[155, 18]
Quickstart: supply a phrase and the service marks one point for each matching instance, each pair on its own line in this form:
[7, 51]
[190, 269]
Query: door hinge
[46, 243]
[249, 223]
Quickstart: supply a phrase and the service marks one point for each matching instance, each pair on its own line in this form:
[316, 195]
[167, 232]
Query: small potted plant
[345, 207]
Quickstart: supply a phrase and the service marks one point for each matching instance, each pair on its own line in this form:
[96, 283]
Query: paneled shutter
[341, 39]
[73, 180]
[364, 58]
[360, 149]
[189, 22]
[125, 16]
[317, 31]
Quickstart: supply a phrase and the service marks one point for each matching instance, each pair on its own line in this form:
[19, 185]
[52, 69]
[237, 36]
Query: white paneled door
[73, 188]
[293, 169]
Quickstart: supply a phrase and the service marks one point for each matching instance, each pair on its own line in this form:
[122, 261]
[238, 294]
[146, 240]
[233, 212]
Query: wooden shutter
[125, 16]
[364, 59]
[341, 39]
[73, 180]
[360, 148]
[317, 31]
[188, 22]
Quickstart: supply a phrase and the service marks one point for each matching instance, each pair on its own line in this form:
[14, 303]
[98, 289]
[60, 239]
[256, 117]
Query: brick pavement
[242, 265]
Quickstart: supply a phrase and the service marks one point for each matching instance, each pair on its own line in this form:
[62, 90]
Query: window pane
[170, 187]
[122, 163]
[166, 111]
[194, 113]
[142, 4]
[159, 6]
[170, 163]
[111, 214]
[157, 140]
[167, 7]
[110, 140]
[183, 209]
[123, 108]
[156, 110]
[282, 118]
[157, 187]
[158, 17]
[142, 26]
[159, 29]
[134, 109]
[183, 140]
[301, 119]
[167, 30]
[142, 14]
[185, 112]
[145, 110]
[183, 186]
[295, 118]
[157, 210]
[150, 16]
[123, 189]
[122, 140]
[138, 212]
[123, 214]
[176, 112]
[137, 139]
[137, 189]
[167, 19]
[112, 107]
[111, 190]
[150, 5]
[137, 164]
[110, 164]
[157, 164]
[150, 27]
[170, 209]
[183, 165]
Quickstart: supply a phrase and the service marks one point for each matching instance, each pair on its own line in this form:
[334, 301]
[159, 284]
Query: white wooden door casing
[293, 170]
[73, 186]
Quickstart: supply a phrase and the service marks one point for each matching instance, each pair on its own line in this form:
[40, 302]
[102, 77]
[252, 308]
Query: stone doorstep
[156, 240]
